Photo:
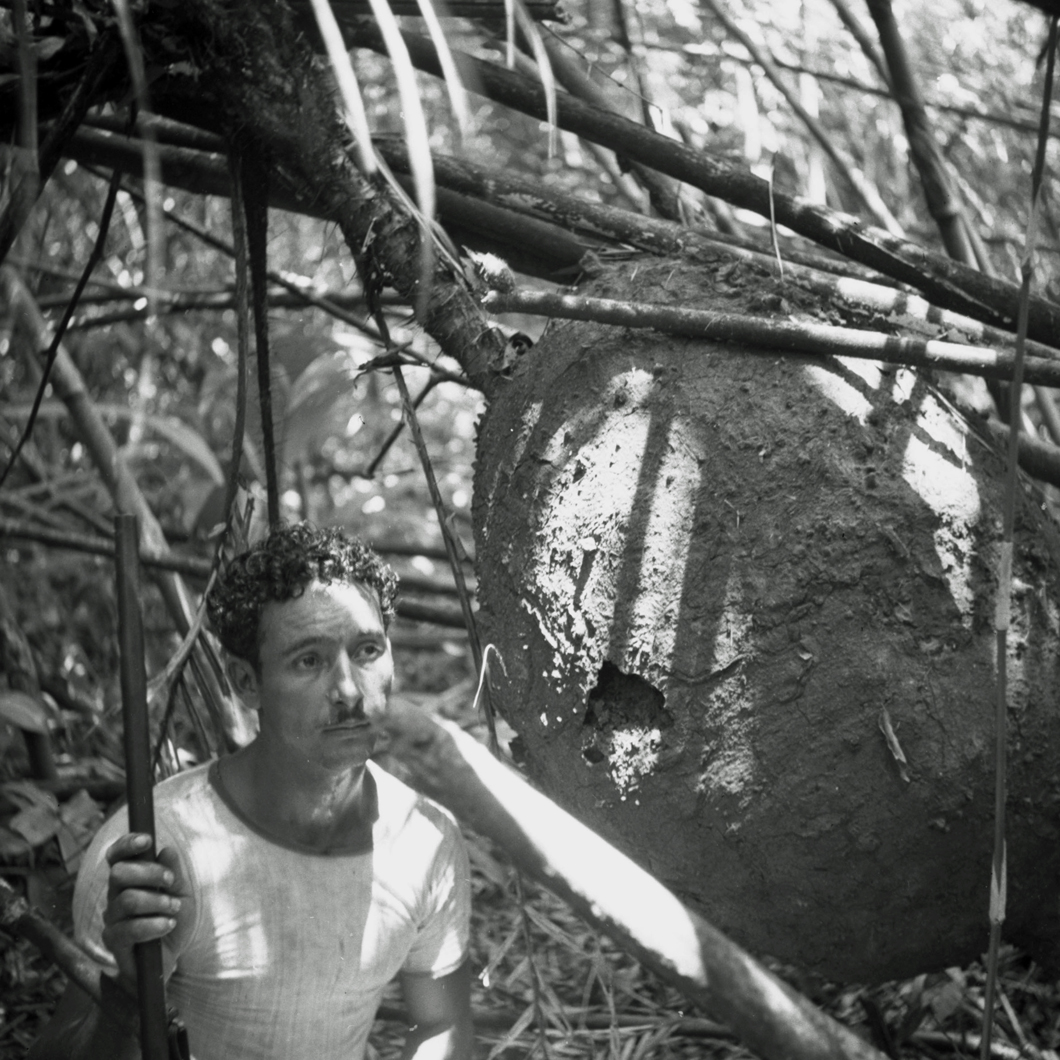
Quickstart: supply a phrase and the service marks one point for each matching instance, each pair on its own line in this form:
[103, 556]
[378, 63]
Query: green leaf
[457, 94]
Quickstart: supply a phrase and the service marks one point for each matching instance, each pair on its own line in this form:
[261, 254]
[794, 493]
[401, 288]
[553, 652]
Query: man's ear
[244, 680]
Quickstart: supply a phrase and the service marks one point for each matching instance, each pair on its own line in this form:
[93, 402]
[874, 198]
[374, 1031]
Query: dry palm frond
[432, 12]
[356, 117]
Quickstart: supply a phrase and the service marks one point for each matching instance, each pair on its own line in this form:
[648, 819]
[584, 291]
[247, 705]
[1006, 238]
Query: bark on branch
[264, 81]
[641, 915]
[765, 336]
[947, 283]
[762, 335]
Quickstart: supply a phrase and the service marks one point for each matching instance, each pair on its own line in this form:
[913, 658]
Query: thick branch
[574, 79]
[759, 335]
[480, 208]
[534, 247]
[947, 283]
[265, 82]
[641, 915]
[764, 335]
[658, 236]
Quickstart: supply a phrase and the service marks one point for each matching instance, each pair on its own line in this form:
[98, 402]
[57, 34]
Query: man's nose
[345, 689]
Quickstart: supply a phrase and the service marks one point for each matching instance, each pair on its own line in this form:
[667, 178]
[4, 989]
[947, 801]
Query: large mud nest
[745, 602]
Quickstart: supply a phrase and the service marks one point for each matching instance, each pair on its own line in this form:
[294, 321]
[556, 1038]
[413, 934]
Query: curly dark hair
[278, 568]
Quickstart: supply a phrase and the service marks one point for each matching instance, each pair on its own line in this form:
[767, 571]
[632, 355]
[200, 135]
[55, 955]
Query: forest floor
[547, 985]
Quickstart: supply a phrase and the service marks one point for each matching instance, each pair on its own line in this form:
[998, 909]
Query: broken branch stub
[614, 894]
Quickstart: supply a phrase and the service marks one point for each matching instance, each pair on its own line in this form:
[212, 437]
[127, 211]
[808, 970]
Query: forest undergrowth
[548, 985]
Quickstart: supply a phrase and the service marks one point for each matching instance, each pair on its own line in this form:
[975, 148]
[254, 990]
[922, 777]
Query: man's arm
[81, 1029]
[142, 904]
[439, 1015]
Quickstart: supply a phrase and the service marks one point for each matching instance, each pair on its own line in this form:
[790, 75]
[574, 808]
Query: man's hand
[143, 900]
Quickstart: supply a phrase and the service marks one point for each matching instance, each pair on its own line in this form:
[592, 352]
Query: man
[296, 879]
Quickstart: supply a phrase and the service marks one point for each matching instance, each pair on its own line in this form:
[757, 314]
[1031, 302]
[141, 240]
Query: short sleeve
[90, 891]
[90, 894]
[442, 935]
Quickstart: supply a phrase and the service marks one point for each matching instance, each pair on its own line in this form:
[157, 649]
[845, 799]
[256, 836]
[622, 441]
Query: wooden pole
[150, 984]
[613, 893]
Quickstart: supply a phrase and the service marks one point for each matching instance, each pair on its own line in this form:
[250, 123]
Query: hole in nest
[619, 699]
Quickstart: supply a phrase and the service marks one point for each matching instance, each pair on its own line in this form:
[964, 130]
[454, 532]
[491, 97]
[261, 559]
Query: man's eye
[371, 652]
[307, 661]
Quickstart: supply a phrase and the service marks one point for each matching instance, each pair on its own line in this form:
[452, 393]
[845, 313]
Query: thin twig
[253, 171]
[392, 437]
[865, 42]
[448, 538]
[239, 234]
[308, 297]
[999, 866]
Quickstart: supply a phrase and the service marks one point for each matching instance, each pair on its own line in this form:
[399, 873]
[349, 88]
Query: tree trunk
[745, 605]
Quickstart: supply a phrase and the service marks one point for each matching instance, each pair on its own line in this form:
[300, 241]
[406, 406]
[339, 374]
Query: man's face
[324, 673]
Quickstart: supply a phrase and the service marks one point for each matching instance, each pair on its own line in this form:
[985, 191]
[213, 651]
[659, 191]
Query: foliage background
[166, 387]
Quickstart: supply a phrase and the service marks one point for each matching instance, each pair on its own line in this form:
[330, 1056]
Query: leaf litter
[593, 1000]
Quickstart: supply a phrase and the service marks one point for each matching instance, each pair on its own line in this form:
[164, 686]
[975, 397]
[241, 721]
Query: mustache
[346, 715]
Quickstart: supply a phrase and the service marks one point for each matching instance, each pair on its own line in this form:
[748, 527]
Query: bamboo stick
[770, 336]
[948, 283]
[150, 982]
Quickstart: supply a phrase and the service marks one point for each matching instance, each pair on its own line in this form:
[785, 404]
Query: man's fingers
[135, 904]
[133, 845]
[139, 874]
[121, 937]
[167, 856]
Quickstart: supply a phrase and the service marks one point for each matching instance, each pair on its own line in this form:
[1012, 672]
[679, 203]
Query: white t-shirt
[283, 953]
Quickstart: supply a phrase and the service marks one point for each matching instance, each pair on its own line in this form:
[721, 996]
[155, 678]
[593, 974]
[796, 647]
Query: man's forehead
[324, 602]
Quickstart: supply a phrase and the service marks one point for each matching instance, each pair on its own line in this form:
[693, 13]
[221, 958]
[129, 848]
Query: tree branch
[864, 189]
[947, 283]
[641, 915]
[264, 82]
[941, 201]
